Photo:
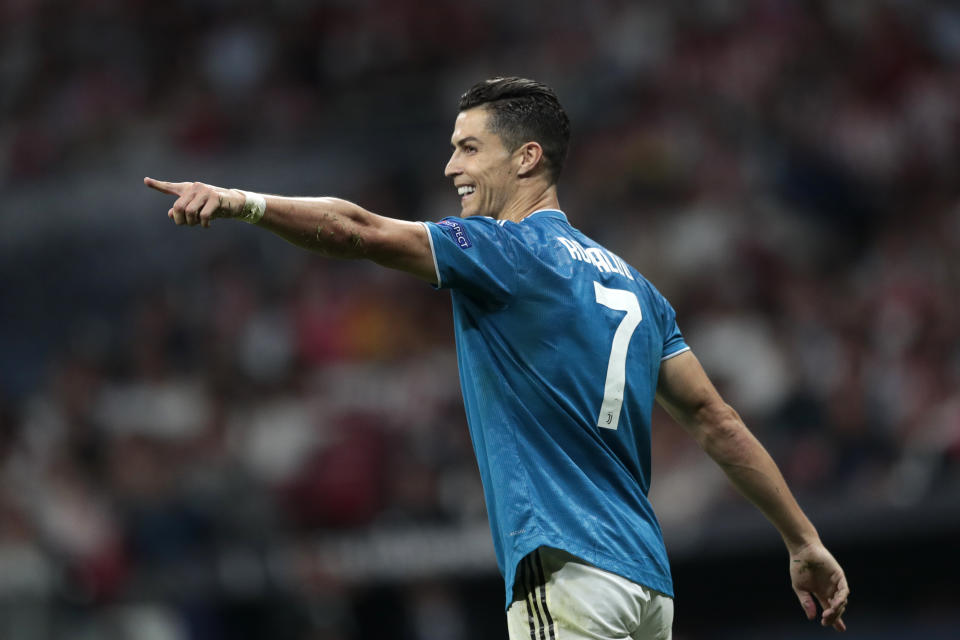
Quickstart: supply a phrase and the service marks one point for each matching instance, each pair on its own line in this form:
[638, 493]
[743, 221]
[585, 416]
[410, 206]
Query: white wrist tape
[254, 206]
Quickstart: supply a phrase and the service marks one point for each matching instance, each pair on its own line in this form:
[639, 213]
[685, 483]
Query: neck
[526, 203]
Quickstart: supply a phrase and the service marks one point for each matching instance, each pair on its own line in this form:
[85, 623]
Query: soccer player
[562, 349]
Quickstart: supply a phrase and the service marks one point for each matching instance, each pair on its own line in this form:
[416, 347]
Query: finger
[833, 608]
[180, 205]
[192, 210]
[176, 216]
[841, 593]
[830, 616]
[839, 625]
[837, 604]
[209, 209]
[824, 603]
[172, 188]
[806, 602]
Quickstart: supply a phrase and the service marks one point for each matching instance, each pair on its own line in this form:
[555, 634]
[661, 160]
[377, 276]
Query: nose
[452, 169]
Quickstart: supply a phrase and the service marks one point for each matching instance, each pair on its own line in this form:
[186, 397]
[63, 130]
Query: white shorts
[558, 596]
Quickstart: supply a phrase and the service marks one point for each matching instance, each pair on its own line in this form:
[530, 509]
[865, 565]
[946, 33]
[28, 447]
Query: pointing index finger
[171, 188]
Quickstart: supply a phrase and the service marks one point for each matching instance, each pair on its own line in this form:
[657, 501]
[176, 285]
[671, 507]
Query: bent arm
[330, 226]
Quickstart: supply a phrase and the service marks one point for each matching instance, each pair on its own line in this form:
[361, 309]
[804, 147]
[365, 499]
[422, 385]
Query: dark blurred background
[211, 434]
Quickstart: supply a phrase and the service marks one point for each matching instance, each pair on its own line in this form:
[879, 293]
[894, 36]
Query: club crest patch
[456, 231]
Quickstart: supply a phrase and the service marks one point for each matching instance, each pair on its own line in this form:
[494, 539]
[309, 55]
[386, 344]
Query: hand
[816, 574]
[199, 203]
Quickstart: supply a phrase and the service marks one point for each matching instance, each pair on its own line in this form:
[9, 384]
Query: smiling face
[483, 170]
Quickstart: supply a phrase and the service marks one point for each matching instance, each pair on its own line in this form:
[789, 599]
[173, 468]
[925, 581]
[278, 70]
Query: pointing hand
[199, 203]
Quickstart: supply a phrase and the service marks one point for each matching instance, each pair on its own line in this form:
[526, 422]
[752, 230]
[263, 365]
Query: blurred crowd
[785, 173]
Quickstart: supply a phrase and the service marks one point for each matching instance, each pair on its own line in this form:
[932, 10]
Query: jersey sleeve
[673, 342]
[475, 255]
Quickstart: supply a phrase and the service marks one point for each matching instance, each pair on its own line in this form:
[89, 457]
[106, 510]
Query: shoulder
[478, 224]
[466, 232]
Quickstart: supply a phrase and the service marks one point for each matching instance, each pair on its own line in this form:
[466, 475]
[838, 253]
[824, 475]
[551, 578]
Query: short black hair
[522, 110]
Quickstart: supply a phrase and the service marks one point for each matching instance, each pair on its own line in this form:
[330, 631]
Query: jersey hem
[600, 560]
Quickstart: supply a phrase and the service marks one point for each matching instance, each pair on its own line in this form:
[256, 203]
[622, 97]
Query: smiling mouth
[466, 190]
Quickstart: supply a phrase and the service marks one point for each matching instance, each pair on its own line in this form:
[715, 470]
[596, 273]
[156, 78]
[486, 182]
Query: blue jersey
[559, 345]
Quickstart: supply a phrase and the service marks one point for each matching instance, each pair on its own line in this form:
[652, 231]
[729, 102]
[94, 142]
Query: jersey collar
[547, 213]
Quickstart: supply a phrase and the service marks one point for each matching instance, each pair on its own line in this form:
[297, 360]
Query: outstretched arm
[330, 226]
[687, 394]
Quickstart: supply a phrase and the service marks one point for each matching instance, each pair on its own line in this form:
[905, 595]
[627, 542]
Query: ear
[529, 158]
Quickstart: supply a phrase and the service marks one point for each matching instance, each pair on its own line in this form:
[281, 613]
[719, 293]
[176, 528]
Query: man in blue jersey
[562, 349]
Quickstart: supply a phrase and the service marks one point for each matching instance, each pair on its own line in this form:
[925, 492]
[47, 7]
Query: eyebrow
[463, 141]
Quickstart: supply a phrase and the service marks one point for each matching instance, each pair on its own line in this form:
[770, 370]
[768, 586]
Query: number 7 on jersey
[618, 300]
